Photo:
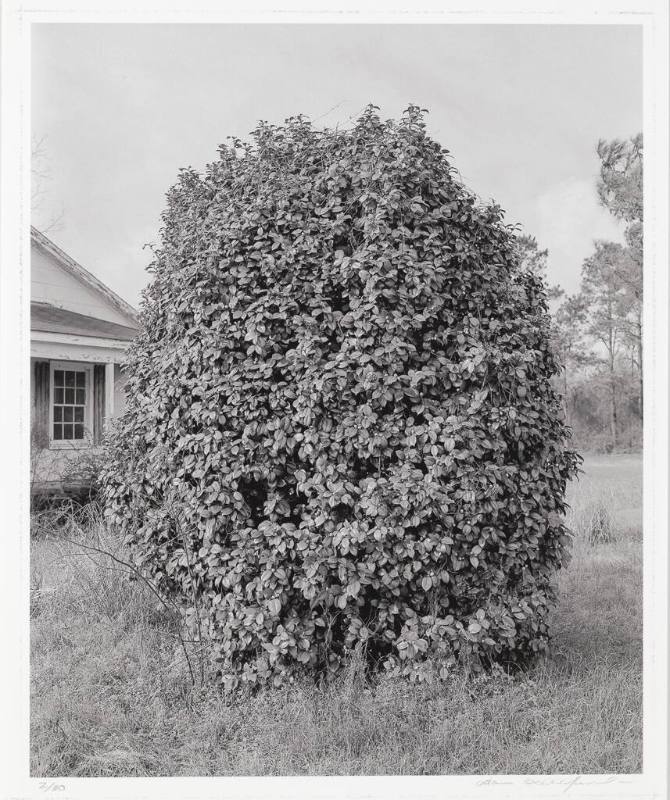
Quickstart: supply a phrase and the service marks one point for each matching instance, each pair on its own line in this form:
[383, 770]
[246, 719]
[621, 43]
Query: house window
[70, 403]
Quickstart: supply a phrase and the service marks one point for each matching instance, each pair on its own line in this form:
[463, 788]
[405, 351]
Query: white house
[79, 330]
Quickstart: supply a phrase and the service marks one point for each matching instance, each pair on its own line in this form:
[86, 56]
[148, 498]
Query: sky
[120, 108]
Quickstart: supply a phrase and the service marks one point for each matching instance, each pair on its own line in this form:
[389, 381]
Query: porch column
[109, 391]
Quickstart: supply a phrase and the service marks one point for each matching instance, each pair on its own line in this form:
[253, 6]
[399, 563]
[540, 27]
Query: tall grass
[113, 694]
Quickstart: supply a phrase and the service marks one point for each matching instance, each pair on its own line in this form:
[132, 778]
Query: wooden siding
[50, 283]
[61, 347]
[48, 318]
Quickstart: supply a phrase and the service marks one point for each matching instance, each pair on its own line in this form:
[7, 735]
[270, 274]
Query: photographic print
[337, 358]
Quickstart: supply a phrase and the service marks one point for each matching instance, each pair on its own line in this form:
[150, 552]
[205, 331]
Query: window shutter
[40, 429]
[98, 402]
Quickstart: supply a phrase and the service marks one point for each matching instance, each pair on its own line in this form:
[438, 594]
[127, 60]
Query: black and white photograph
[335, 360]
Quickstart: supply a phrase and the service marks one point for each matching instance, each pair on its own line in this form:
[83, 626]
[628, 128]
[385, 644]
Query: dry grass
[112, 695]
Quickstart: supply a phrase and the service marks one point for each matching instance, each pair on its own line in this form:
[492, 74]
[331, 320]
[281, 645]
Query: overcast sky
[521, 108]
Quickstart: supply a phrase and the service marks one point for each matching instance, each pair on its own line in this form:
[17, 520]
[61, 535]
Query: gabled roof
[46, 317]
[83, 275]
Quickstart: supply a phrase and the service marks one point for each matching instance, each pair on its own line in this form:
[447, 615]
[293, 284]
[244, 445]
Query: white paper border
[14, 351]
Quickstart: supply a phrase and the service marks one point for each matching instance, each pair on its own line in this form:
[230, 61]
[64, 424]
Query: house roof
[83, 275]
[46, 317]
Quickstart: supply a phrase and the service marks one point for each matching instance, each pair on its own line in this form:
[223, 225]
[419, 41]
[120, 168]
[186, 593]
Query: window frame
[72, 444]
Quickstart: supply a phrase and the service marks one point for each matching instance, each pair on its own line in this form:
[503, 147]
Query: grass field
[112, 696]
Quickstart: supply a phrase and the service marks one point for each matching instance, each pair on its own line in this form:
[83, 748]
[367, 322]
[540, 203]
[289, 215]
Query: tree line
[597, 331]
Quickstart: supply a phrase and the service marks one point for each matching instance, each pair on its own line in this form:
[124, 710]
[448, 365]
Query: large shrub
[340, 425]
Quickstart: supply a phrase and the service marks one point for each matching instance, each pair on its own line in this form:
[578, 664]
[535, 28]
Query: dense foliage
[340, 426]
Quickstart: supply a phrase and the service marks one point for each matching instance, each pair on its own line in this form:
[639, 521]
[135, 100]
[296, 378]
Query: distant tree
[606, 304]
[620, 182]
[620, 189]
[530, 255]
[597, 332]
[569, 341]
[629, 278]
[40, 176]
[568, 319]
[534, 260]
